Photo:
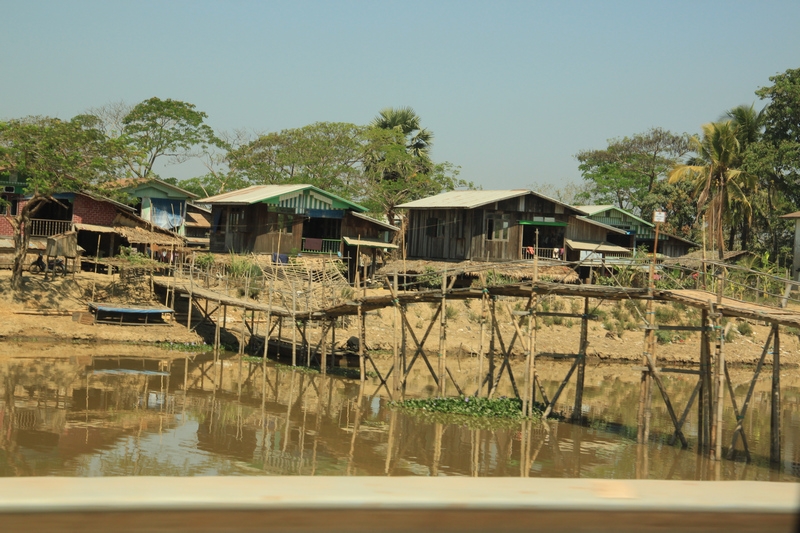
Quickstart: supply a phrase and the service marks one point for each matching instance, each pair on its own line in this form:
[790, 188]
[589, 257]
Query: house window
[285, 223]
[434, 227]
[497, 227]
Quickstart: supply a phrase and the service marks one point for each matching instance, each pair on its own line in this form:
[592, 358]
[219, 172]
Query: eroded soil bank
[42, 311]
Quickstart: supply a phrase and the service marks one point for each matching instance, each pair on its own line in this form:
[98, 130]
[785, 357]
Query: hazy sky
[511, 90]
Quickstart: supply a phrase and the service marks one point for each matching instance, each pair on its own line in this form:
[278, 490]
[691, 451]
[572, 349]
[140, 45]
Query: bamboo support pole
[396, 385]
[579, 380]
[484, 296]
[490, 355]
[294, 325]
[775, 412]
[443, 338]
[361, 362]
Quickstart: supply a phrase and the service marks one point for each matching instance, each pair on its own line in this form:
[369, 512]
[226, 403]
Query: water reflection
[100, 416]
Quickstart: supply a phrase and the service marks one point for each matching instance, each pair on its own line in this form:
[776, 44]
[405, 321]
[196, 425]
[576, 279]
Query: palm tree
[719, 184]
[749, 125]
[405, 120]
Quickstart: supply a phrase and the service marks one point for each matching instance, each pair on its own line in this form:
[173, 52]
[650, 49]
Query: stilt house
[498, 225]
[291, 219]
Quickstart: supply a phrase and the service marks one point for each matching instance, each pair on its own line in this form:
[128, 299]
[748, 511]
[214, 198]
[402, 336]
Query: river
[106, 415]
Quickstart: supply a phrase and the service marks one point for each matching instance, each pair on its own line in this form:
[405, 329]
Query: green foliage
[666, 315]
[327, 155]
[243, 267]
[628, 168]
[429, 279]
[663, 337]
[459, 409]
[204, 261]
[745, 328]
[493, 278]
[450, 312]
[168, 128]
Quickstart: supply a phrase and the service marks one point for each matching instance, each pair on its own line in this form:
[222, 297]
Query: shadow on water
[89, 416]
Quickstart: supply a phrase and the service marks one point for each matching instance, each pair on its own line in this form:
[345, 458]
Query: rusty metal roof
[473, 199]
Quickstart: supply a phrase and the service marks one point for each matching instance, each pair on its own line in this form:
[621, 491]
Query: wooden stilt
[361, 362]
[395, 338]
[775, 412]
[484, 296]
[490, 355]
[578, 407]
[719, 387]
[442, 338]
[294, 325]
[530, 374]
[740, 418]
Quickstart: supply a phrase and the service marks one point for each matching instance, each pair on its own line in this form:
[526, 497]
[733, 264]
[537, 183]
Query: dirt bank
[43, 310]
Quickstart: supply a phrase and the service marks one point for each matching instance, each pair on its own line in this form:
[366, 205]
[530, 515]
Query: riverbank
[43, 310]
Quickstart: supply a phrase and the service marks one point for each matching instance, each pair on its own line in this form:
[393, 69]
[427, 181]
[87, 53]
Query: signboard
[659, 216]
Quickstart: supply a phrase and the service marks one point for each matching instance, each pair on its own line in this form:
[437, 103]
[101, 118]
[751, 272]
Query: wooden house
[198, 226]
[642, 232]
[292, 219]
[499, 225]
[160, 203]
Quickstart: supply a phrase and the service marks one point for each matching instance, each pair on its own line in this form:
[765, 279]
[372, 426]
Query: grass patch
[184, 346]
[466, 409]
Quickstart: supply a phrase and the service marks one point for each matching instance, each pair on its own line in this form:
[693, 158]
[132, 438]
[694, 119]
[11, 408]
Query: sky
[511, 90]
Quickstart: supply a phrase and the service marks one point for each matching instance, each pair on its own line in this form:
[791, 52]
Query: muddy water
[107, 416]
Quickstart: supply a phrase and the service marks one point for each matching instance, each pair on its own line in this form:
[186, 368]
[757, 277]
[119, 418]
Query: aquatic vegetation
[184, 346]
[470, 411]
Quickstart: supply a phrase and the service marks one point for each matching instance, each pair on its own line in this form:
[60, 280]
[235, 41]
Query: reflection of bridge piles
[295, 298]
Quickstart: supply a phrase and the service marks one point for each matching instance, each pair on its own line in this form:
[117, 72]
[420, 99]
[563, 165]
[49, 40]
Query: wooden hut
[498, 225]
[294, 219]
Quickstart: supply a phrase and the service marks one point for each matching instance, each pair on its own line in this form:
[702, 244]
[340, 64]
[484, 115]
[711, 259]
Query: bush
[450, 312]
[203, 261]
[745, 328]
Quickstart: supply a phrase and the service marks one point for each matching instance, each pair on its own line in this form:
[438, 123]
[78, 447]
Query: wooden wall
[580, 230]
[462, 232]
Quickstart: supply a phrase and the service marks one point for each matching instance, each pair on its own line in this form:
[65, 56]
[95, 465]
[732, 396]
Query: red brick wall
[6, 229]
[87, 210]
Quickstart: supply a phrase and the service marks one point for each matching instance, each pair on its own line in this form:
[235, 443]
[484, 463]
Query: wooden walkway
[496, 348]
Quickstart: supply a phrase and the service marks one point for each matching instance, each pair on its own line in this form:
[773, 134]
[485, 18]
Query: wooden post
[704, 399]
[490, 355]
[395, 352]
[294, 325]
[578, 407]
[775, 413]
[719, 377]
[324, 359]
[443, 338]
[484, 294]
[361, 365]
[532, 326]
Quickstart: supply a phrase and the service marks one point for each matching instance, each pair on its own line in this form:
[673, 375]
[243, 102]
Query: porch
[41, 227]
[312, 245]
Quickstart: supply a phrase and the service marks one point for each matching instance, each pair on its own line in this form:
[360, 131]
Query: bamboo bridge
[301, 300]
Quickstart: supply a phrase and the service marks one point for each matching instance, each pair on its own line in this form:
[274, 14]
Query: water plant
[461, 409]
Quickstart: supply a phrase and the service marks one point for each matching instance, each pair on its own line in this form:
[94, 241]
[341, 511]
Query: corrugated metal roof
[260, 193]
[602, 247]
[377, 222]
[464, 199]
[369, 243]
[593, 210]
[605, 226]
[473, 199]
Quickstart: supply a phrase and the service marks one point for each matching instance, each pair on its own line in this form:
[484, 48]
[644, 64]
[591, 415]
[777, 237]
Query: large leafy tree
[628, 169]
[325, 154]
[53, 156]
[718, 184]
[168, 129]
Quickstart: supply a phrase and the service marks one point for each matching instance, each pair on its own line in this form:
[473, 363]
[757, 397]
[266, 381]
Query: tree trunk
[22, 236]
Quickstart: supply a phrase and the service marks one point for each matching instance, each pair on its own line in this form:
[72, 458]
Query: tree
[628, 169]
[748, 124]
[718, 184]
[393, 175]
[168, 128]
[406, 121]
[53, 156]
[327, 155]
